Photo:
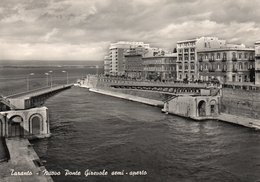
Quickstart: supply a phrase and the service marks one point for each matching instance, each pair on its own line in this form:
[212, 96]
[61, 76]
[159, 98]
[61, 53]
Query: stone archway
[202, 108]
[1, 128]
[213, 107]
[14, 126]
[35, 124]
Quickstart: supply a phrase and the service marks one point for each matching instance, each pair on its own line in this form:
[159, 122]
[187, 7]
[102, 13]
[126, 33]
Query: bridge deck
[165, 85]
[37, 92]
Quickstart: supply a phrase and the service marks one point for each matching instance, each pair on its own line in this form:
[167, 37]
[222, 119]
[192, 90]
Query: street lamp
[97, 69]
[67, 75]
[28, 81]
[50, 73]
[47, 74]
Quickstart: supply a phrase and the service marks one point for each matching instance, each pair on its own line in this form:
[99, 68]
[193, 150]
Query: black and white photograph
[129, 91]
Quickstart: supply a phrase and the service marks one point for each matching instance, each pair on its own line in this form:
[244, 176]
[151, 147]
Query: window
[224, 55]
[206, 66]
[245, 55]
[212, 56]
[205, 44]
[218, 56]
[233, 55]
[186, 58]
[218, 66]
[186, 67]
[192, 58]
[180, 67]
[240, 66]
[192, 67]
[240, 55]
[206, 56]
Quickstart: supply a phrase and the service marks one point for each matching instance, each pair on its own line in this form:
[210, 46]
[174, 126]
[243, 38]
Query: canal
[97, 132]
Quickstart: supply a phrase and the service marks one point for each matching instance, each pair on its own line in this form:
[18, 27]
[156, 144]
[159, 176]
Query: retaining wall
[240, 102]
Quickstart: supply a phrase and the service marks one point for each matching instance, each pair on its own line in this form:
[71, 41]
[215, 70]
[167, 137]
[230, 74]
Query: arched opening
[1, 128]
[35, 124]
[202, 108]
[14, 126]
[213, 107]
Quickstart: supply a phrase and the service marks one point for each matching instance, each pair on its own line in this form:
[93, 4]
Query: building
[133, 63]
[257, 63]
[227, 64]
[161, 67]
[116, 56]
[107, 65]
[187, 62]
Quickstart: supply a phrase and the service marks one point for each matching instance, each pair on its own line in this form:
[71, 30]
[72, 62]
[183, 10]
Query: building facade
[107, 65]
[187, 62]
[133, 63]
[230, 64]
[161, 67]
[117, 58]
[257, 63]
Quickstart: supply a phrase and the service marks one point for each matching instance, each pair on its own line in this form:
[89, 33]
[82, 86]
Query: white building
[187, 61]
[115, 62]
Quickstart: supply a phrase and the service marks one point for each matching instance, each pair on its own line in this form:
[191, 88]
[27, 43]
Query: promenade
[22, 157]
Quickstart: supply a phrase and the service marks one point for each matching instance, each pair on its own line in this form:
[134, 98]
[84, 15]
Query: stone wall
[139, 93]
[240, 102]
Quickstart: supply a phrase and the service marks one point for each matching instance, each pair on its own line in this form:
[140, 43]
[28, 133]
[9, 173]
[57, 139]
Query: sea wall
[245, 103]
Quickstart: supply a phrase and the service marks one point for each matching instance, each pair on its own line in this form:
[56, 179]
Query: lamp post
[67, 75]
[47, 76]
[28, 81]
[50, 73]
[97, 69]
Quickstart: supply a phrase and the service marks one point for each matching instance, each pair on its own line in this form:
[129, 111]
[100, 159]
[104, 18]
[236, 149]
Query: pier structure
[22, 114]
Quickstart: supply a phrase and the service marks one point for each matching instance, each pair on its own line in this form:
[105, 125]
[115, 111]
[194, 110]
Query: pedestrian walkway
[23, 158]
[2, 151]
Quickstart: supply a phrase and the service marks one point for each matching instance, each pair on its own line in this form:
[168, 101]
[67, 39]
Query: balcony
[211, 70]
[251, 59]
[211, 60]
[224, 59]
[200, 59]
[234, 70]
[224, 70]
[234, 59]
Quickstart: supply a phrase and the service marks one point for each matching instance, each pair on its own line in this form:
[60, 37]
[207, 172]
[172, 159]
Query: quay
[23, 158]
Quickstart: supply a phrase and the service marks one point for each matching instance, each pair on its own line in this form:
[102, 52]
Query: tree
[175, 50]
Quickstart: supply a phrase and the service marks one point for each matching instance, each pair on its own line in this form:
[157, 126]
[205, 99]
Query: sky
[83, 29]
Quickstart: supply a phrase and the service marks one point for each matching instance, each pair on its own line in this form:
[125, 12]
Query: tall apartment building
[117, 58]
[107, 65]
[187, 62]
[233, 63]
[257, 63]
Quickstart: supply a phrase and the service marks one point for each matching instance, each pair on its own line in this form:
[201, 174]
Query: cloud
[87, 27]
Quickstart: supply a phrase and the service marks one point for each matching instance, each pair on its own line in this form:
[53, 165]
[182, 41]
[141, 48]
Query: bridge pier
[30, 123]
